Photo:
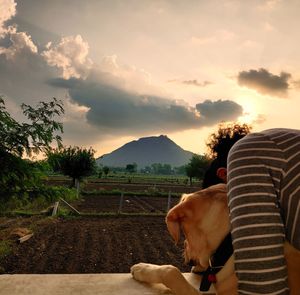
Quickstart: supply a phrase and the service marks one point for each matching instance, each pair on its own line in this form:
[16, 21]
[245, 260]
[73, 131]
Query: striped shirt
[264, 202]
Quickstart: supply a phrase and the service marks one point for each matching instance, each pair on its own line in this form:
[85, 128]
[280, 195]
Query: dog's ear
[175, 217]
[173, 223]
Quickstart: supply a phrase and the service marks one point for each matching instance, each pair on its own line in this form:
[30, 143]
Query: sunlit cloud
[269, 5]
[13, 42]
[217, 37]
[253, 118]
[20, 42]
[268, 27]
[7, 11]
[70, 55]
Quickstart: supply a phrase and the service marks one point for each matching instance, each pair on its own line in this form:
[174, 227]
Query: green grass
[5, 248]
[24, 213]
[40, 199]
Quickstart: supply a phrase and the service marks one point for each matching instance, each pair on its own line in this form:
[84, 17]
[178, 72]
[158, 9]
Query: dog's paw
[145, 272]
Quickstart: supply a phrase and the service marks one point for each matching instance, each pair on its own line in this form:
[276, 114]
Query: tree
[197, 167]
[73, 161]
[180, 170]
[34, 137]
[105, 170]
[161, 169]
[16, 174]
[131, 168]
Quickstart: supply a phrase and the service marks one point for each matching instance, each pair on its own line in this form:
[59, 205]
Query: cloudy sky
[135, 68]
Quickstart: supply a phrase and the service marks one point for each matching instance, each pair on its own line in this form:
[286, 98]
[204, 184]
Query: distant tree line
[155, 168]
[20, 177]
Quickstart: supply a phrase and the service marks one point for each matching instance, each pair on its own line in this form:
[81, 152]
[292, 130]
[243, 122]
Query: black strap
[218, 260]
[209, 277]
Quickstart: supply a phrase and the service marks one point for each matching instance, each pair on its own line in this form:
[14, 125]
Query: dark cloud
[191, 82]
[196, 83]
[23, 71]
[23, 77]
[296, 83]
[116, 110]
[217, 111]
[265, 82]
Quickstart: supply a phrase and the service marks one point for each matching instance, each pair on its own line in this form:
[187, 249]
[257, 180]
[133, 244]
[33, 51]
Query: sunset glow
[130, 69]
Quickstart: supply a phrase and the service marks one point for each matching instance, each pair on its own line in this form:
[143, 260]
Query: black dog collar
[217, 261]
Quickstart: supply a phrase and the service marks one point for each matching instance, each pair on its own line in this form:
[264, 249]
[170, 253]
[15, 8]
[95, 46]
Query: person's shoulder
[275, 131]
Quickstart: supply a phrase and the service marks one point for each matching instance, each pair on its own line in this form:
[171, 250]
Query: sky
[126, 69]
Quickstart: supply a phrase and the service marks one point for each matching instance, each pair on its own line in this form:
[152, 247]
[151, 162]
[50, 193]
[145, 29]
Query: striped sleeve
[254, 173]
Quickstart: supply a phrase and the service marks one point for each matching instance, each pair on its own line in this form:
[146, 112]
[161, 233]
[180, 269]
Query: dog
[203, 217]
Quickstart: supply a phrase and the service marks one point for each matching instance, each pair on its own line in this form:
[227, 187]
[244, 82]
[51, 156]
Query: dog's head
[203, 217]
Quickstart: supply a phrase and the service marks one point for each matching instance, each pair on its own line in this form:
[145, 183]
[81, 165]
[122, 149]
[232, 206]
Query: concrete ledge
[81, 284]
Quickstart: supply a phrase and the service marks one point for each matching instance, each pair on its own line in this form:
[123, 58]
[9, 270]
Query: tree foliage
[197, 166]
[18, 175]
[105, 170]
[161, 169]
[75, 162]
[131, 168]
[32, 136]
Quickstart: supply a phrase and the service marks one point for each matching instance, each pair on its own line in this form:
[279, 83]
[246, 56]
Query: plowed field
[130, 204]
[98, 244]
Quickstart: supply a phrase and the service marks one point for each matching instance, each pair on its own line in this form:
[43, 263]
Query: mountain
[146, 151]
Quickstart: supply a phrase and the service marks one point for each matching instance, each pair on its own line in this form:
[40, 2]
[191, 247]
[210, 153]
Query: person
[263, 184]
[216, 172]
[219, 145]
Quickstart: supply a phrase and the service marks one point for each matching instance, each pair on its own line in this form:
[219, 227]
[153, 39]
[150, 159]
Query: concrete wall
[81, 284]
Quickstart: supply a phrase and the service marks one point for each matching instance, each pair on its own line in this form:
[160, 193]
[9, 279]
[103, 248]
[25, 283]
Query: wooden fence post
[169, 201]
[121, 202]
[77, 185]
[54, 212]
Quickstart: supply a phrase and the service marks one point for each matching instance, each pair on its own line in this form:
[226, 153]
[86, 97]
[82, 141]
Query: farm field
[130, 204]
[135, 184]
[101, 244]
[95, 245]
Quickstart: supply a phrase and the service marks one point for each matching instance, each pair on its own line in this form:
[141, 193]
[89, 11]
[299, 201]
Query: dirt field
[98, 244]
[130, 204]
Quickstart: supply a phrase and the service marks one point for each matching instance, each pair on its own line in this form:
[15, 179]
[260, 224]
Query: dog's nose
[191, 263]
